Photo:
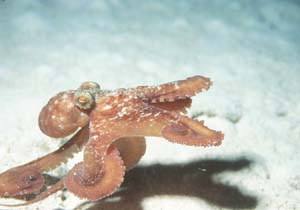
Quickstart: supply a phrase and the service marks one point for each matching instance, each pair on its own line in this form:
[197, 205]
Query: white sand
[250, 49]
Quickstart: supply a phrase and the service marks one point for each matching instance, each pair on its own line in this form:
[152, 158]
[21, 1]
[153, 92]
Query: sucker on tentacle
[112, 126]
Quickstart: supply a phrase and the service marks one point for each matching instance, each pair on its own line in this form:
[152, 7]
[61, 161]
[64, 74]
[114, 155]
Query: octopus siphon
[110, 127]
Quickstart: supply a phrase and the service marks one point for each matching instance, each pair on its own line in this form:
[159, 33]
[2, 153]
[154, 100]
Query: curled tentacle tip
[108, 183]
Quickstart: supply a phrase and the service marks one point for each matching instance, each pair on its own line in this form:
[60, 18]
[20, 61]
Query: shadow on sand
[194, 179]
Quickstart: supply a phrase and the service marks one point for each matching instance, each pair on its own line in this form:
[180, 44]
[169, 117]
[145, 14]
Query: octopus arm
[172, 91]
[27, 178]
[53, 189]
[113, 171]
[61, 155]
[20, 181]
[131, 150]
[191, 132]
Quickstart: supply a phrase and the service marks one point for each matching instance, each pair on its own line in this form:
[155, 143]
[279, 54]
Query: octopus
[110, 127]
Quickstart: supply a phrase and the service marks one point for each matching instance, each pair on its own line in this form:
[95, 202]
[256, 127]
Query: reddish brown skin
[112, 131]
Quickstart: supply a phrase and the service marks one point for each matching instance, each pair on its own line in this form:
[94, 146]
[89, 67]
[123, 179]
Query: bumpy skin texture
[112, 126]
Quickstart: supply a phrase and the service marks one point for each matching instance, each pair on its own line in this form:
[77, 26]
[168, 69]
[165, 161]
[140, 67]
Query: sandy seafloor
[251, 51]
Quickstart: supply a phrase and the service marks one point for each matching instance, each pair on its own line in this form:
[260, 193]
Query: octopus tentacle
[66, 151]
[131, 150]
[27, 178]
[172, 91]
[20, 181]
[179, 128]
[111, 178]
[191, 132]
[53, 189]
[93, 156]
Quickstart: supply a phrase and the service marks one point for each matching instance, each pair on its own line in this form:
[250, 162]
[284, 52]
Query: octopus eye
[93, 87]
[84, 99]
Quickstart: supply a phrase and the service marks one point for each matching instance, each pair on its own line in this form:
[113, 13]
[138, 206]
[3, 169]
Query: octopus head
[68, 110]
